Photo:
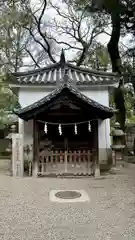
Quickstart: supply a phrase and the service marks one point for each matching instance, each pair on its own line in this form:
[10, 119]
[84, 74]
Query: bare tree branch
[65, 43]
[38, 23]
[36, 64]
[79, 28]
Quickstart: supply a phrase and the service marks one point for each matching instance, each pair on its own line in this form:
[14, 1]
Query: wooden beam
[62, 114]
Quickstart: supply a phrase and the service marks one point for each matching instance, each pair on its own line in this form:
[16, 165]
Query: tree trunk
[113, 48]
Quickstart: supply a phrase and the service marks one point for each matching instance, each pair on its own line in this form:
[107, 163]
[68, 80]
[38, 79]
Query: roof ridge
[67, 65]
[92, 71]
[51, 73]
[35, 71]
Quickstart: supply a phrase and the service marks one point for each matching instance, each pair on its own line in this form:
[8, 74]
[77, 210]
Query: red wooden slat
[74, 158]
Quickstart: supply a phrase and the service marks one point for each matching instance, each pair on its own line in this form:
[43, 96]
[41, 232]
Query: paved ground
[26, 212]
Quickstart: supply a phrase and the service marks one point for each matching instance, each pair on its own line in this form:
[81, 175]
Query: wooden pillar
[95, 142]
[65, 153]
[35, 149]
[97, 166]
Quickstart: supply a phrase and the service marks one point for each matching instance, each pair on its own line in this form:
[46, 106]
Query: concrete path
[26, 212]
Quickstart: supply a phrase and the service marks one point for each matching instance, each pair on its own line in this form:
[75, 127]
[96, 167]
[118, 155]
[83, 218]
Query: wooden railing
[73, 158]
[55, 158]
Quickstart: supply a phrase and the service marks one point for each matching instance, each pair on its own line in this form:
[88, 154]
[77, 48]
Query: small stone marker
[17, 155]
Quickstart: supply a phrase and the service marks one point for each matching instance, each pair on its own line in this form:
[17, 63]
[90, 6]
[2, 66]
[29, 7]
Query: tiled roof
[55, 72]
[31, 108]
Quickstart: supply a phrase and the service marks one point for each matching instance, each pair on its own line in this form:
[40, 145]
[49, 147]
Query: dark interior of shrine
[83, 139]
[68, 110]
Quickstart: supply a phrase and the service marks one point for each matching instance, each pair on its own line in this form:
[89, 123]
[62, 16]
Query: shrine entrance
[68, 153]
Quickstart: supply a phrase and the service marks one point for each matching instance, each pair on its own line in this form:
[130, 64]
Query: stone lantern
[118, 145]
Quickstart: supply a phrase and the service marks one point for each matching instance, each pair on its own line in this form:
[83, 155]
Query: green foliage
[120, 106]
[99, 58]
[12, 34]
[8, 101]
[129, 103]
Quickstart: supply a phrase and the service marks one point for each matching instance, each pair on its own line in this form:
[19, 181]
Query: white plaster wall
[104, 140]
[29, 95]
[104, 137]
[100, 96]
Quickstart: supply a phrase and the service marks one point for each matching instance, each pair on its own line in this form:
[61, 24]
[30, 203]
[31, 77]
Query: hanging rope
[66, 124]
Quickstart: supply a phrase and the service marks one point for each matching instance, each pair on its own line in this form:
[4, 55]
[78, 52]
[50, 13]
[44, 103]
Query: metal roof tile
[54, 78]
[43, 77]
[31, 79]
[38, 78]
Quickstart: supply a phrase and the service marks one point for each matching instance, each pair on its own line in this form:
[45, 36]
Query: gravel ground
[27, 213]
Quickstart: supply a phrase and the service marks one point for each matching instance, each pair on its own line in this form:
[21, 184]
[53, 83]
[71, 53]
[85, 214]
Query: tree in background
[11, 54]
[13, 37]
[23, 41]
[29, 35]
[30, 38]
[122, 14]
[81, 30]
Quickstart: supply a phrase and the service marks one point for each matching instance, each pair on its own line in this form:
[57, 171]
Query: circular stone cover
[68, 194]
